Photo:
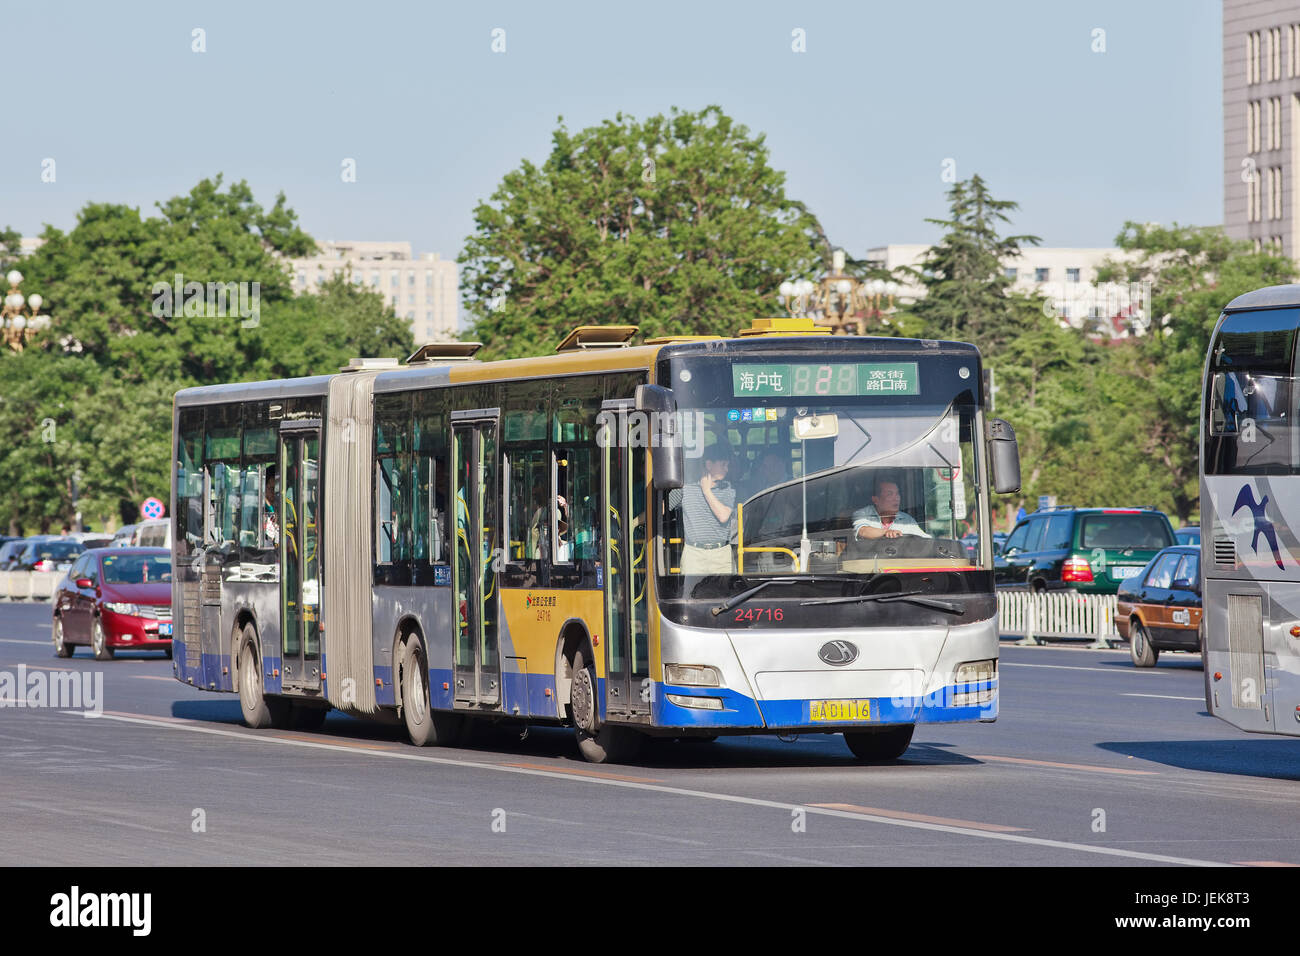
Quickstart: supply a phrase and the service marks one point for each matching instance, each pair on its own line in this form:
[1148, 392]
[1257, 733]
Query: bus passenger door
[476, 556]
[300, 554]
[627, 618]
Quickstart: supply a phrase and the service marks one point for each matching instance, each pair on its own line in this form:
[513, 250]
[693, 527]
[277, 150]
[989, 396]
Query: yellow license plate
[839, 710]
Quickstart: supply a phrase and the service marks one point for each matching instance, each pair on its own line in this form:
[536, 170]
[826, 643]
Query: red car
[115, 598]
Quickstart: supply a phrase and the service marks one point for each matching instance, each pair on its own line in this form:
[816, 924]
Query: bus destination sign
[835, 380]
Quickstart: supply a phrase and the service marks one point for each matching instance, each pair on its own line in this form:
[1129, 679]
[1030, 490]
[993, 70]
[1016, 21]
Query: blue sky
[861, 123]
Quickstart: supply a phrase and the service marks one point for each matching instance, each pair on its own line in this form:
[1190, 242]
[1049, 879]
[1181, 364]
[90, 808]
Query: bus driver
[881, 518]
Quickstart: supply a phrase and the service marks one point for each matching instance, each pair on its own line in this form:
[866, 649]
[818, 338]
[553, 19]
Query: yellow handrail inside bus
[741, 550]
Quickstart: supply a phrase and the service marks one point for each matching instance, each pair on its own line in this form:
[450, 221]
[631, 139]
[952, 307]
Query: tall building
[424, 291]
[1261, 104]
[1067, 278]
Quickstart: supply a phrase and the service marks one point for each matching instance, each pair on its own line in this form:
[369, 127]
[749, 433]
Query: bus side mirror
[660, 406]
[1004, 457]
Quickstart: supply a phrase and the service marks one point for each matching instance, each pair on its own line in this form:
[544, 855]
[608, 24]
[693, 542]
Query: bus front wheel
[880, 745]
[597, 744]
[425, 727]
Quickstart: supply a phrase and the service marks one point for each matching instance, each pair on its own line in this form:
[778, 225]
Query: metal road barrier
[1054, 614]
[29, 585]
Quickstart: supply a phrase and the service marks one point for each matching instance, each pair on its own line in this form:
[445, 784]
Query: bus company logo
[539, 600]
[838, 653]
[1246, 499]
[76, 909]
[213, 300]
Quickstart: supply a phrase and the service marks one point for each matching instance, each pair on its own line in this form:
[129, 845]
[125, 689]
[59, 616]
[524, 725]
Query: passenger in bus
[708, 516]
[771, 468]
[271, 509]
[881, 518]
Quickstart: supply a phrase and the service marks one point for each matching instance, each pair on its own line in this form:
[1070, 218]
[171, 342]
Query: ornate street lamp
[18, 326]
[839, 301]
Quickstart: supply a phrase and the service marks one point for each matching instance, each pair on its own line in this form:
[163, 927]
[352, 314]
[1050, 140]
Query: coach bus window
[577, 472]
[429, 501]
[392, 489]
[528, 481]
[189, 481]
[221, 457]
[258, 522]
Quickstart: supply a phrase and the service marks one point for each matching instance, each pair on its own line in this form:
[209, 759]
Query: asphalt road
[1092, 762]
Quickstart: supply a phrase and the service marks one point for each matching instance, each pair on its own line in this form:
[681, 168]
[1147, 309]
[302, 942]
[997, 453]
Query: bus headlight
[692, 675]
[969, 674]
[699, 703]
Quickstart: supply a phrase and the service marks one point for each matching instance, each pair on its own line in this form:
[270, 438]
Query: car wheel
[1139, 646]
[99, 642]
[168, 652]
[597, 744]
[61, 647]
[424, 726]
[1039, 586]
[880, 745]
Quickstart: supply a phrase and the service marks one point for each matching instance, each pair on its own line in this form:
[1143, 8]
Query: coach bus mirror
[1004, 457]
[664, 434]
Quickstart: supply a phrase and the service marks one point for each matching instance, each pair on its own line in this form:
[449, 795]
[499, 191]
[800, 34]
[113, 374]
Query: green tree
[677, 224]
[967, 292]
[116, 352]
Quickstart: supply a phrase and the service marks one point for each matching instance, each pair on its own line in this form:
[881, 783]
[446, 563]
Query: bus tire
[424, 726]
[880, 745]
[597, 744]
[259, 711]
[1139, 646]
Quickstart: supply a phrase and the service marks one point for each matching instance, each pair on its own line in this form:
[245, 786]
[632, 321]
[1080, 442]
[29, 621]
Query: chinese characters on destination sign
[832, 380]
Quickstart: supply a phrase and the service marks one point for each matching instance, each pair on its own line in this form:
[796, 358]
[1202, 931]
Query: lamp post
[840, 301]
[16, 325]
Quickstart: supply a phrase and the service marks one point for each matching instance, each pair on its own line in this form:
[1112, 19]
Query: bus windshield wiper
[912, 597]
[744, 596]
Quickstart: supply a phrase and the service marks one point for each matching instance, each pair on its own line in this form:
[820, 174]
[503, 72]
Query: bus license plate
[840, 710]
[165, 629]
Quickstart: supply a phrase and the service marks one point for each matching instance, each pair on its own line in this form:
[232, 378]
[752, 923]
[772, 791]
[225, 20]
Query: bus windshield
[848, 485]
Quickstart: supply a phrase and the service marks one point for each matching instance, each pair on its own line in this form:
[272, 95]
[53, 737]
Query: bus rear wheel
[880, 745]
[597, 744]
[258, 710]
[424, 726]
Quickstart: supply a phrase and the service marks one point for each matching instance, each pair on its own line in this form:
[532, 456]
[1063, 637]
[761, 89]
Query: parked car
[1189, 535]
[48, 554]
[1160, 609]
[113, 599]
[1091, 550]
[11, 551]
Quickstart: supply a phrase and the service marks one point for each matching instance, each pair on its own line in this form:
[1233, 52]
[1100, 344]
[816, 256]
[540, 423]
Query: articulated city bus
[1250, 513]
[692, 537]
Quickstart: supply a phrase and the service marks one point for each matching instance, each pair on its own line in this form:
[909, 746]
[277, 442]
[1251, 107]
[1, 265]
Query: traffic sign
[152, 508]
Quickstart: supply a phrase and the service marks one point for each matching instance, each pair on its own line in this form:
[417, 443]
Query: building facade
[1067, 278]
[1261, 104]
[425, 291]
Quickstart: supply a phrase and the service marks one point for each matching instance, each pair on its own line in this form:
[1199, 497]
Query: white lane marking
[1071, 667]
[1166, 697]
[15, 640]
[174, 724]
